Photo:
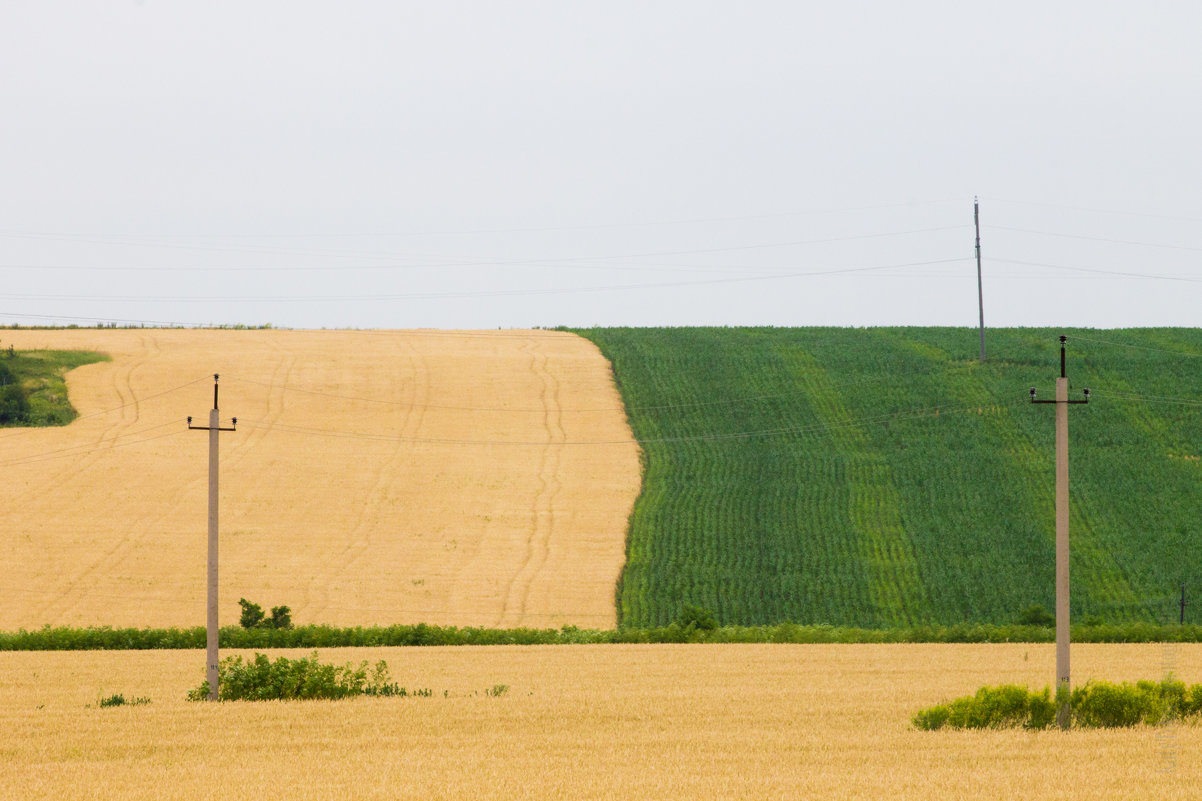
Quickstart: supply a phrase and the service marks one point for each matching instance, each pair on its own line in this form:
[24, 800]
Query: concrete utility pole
[976, 219]
[1064, 715]
[211, 629]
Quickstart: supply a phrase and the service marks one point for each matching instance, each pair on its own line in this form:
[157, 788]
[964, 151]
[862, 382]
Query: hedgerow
[105, 638]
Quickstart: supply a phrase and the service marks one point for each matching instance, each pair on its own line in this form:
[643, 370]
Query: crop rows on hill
[883, 477]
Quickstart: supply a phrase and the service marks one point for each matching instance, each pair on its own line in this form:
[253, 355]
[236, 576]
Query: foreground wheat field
[586, 722]
[375, 477]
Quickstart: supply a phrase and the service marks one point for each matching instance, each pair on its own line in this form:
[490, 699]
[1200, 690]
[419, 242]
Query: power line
[544, 409]
[932, 413]
[529, 410]
[1098, 239]
[135, 402]
[1098, 271]
[137, 324]
[1138, 347]
[132, 323]
[83, 450]
[1126, 396]
[97, 239]
[487, 293]
[1151, 215]
[557, 261]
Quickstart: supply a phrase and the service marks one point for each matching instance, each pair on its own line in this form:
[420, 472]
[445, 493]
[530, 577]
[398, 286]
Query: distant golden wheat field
[375, 477]
[586, 722]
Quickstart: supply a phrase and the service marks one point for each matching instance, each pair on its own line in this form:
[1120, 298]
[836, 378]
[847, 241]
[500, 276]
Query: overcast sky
[485, 164]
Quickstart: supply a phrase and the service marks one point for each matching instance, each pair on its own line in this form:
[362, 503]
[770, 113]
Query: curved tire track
[358, 543]
[542, 508]
[73, 591]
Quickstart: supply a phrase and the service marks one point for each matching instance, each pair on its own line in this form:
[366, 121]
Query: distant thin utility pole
[976, 219]
[1063, 716]
[1182, 621]
[214, 427]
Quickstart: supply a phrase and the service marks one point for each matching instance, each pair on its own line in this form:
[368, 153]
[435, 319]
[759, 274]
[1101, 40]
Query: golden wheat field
[374, 477]
[586, 722]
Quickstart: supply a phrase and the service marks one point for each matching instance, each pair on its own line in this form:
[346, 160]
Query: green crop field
[883, 477]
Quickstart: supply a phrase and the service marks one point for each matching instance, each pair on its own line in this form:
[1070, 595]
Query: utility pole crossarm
[1033, 400]
[212, 426]
[235, 423]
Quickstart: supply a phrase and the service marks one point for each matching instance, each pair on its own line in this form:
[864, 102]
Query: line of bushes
[319, 636]
[1095, 704]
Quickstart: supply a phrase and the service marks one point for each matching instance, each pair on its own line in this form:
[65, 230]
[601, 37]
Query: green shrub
[281, 617]
[1192, 704]
[260, 679]
[1036, 616]
[1106, 705]
[932, 718]
[696, 618]
[1095, 704]
[119, 700]
[252, 614]
[14, 403]
[253, 618]
[1006, 706]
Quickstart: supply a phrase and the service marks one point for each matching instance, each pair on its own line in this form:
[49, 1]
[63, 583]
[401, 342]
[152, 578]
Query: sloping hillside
[375, 477]
[882, 476]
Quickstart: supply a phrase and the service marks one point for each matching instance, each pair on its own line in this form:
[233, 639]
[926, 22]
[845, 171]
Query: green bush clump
[1006, 706]
[14, 403]
[1095, 704]
[1036, 616]
[252, 616]
[260, 679]
[118, 699]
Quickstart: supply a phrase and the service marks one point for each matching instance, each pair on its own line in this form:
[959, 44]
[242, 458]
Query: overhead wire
[278, 427]
[933, 412]
[84, 450]
[1106, 240]
[93, 239]
[126, 405]
[1137, 347]
[557, 261]
[1098, 271]
[544, 409]
[486, 293]
[1122, 395]
[1115, 212]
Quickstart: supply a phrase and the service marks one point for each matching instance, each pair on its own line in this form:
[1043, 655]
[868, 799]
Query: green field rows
[883, 477]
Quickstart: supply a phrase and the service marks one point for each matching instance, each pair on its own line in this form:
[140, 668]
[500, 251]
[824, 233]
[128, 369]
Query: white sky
[460, 164]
